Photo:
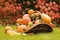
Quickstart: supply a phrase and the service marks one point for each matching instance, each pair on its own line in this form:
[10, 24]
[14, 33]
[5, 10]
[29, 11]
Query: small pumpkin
[21, 28]
[19, 20]
[26, 19]
[31, 12]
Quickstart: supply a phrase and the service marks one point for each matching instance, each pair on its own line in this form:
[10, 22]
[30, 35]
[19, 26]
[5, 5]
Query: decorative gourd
[30, 24]
[21, 28]
[32, 16]
[19, 21]
[31, 12]
[46, 18]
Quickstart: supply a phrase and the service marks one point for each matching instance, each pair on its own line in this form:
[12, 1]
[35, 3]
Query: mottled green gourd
[33, 17]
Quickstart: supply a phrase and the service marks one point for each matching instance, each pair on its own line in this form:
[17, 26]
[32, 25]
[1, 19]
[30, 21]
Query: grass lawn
[55, 35]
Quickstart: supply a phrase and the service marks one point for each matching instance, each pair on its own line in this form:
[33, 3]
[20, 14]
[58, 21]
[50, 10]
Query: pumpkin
[46, 18]
[21, 28]
[19, 21]
[26, 19]
[30, 11]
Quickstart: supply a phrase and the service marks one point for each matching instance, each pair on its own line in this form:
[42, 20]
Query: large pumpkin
[46, 18]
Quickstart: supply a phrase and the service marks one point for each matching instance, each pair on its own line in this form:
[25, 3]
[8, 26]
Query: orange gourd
[21, 28]
[30, 11]
[19, 21]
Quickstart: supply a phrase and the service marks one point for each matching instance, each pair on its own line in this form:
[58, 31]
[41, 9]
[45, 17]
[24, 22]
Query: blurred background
[11, 10]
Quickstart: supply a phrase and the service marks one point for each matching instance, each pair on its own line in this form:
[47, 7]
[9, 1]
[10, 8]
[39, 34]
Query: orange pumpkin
[26, 19]
[19, 21]
[30, 11]
[21, 28]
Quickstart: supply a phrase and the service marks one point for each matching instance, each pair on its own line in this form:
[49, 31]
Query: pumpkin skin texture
[46, 18]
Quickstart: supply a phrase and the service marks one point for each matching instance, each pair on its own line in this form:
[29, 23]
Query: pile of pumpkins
[27, 21]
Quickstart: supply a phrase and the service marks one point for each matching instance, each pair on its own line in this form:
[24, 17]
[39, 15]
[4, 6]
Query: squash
[19, 20]
[46, 18]
[21, 28]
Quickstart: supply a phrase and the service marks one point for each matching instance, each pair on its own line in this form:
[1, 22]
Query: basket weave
[39, 28]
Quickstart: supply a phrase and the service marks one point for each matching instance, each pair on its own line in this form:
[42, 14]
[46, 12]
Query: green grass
[55, 35]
